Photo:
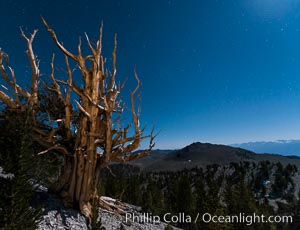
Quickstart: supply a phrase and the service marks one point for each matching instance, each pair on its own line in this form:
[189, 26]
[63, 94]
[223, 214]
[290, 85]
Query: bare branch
[99, 43]
[132, 95]
[34, 66]
[112, 82]
[56, 148]
[90, 45]
[10, 79]
[8, 101]
[62, 48]
[83, 110]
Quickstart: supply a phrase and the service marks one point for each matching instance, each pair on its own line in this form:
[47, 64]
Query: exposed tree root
[116, 206]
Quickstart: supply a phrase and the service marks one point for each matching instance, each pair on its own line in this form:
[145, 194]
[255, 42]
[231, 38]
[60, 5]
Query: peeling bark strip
[98, 127]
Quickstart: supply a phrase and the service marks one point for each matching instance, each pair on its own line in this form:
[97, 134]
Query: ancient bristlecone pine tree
[96, 136]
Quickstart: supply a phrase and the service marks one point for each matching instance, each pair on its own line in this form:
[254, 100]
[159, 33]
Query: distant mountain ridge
[202, 154]
[282, 147]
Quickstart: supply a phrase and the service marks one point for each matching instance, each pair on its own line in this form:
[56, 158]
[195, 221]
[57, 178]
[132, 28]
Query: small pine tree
[122, 227]
[168, 227]
[96, 223]
[16, 157]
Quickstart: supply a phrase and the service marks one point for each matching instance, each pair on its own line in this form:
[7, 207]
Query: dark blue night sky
[220, 71]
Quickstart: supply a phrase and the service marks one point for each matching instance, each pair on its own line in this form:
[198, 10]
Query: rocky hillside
[201, 154]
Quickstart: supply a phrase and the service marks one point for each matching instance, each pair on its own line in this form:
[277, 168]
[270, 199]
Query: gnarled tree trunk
[96, 136]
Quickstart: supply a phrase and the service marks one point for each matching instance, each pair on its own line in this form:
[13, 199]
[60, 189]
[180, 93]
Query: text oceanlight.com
[206, 218]
[246, 219]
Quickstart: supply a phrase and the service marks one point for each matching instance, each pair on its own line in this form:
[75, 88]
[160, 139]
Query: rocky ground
[57, 217]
